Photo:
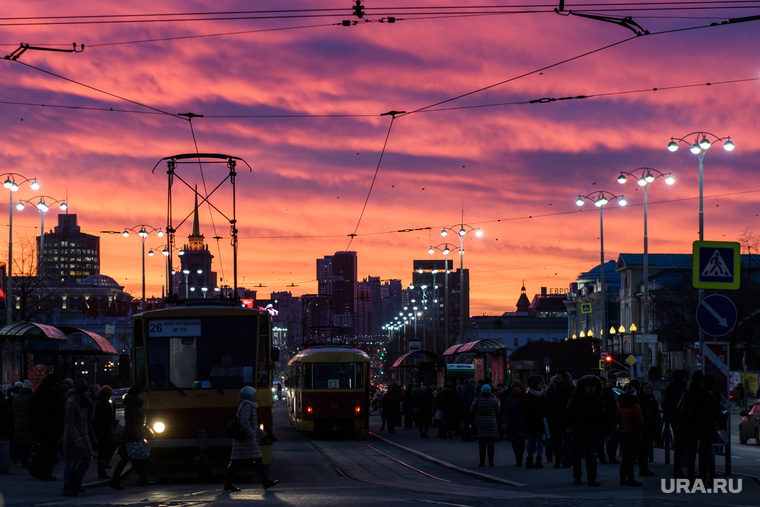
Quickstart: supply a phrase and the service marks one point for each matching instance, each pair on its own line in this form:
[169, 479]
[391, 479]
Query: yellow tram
[193, 360]
[328, 390]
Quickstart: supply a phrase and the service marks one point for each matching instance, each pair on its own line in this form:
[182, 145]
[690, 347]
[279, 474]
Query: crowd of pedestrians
[574, 424]
[69, 421]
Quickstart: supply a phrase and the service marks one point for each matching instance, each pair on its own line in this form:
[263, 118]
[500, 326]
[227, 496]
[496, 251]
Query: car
[749, 426]
[117, 397]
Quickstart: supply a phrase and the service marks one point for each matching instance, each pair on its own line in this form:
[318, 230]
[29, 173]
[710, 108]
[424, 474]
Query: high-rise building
[383, 303]
[432, 273]
[337, 279]
[69, 254]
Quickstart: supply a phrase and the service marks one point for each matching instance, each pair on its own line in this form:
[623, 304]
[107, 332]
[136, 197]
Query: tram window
[334, 376]
[182, 364]
[223, 357]
[308, 376]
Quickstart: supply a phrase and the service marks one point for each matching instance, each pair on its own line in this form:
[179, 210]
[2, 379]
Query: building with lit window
[69, 255]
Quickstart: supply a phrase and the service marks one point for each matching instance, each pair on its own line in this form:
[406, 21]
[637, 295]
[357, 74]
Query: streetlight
[701, 144]
[143, 230]
[444, 248]
[645, 176]
[186, 272]
[165, 252]
[43, 208]
[600, 198]
[12, 186]
[463, 230]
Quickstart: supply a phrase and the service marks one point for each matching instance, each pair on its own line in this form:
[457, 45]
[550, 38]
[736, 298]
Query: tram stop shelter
[31, 350]
[423, 364]
[490, 358]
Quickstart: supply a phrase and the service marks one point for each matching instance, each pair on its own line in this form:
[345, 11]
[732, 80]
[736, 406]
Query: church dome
[100, 281]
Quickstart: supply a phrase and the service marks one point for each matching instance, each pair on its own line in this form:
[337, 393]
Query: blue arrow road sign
[716, 315]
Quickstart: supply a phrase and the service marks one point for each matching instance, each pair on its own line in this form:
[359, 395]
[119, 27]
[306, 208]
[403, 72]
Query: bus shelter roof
[484, 346]
[81, 340]
[409, 355]
[32, 330]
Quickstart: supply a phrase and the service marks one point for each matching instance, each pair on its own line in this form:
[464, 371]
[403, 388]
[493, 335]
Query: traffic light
[608, 359]
[359, 9]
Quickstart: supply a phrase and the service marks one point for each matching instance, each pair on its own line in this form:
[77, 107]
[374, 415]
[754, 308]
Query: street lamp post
[12, 186]
[600, 198]
[43, 208]
[165, 252]
[143, 230]
[186, 272]
[437, 312]
[645, 176]
[463, 230]
[444, 248]
[702, 142]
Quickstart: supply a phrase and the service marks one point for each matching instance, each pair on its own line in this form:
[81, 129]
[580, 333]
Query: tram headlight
[159, 427]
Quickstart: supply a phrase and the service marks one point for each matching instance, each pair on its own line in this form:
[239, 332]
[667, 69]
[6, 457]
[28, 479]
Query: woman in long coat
[77, 447]
[248, 449]
[486, 409]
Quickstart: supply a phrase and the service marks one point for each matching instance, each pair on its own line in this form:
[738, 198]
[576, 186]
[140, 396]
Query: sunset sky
[302, 99]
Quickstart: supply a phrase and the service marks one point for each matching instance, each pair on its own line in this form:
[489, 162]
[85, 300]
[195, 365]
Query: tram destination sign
[169, 328]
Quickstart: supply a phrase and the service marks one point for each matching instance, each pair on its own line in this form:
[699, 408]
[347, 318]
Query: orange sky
[301, 100]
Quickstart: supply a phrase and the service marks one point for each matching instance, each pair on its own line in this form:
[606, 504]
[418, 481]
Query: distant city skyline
[372, 136]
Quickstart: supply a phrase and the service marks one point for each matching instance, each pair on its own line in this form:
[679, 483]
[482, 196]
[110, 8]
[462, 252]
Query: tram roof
[208, 309]
[330, 354]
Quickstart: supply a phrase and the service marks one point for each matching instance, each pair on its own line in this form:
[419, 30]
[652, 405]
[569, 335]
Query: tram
[328, 390]
[192, 360]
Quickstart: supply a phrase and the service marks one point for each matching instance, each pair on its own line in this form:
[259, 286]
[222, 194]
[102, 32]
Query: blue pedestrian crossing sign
[715, 264]
[585, 307]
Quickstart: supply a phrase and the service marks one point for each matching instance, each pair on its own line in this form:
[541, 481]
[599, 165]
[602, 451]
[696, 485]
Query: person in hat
[486, 409]
[248, 450]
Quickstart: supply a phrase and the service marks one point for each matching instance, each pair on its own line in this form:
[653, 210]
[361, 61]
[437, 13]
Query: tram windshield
[333, 375]
[208, 353]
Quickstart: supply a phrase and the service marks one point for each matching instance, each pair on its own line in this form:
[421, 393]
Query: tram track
[368, 463]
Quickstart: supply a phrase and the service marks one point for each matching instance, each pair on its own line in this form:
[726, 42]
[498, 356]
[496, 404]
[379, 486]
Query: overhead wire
[428, 108]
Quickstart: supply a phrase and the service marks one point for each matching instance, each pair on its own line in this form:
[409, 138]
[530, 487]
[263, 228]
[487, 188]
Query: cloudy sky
[504, 116]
